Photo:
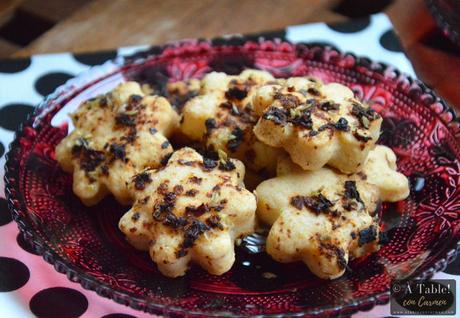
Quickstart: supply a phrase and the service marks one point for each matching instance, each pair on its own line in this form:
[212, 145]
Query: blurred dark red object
[447, 15]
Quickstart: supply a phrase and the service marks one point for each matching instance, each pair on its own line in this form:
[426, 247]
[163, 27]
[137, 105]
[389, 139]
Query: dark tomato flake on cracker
[236, 93]
[228, 165]
[367, 235]
[165, 145]
[236, 140]
[277, 115]
[118, 151]
[342, 124]
[125, 120]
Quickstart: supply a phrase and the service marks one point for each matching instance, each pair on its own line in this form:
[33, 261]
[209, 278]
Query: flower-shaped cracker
[322, 217]
[316, 124]
[192, 210]
[222, 117]
[116, 136]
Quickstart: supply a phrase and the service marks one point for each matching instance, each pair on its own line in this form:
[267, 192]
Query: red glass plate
[85, 244]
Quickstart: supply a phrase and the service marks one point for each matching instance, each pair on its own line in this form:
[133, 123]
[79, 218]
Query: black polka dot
[2, 149]
[14, 65]
[390, 41]
[13, 274]
[118, 316]
[5, 215]
[454, 267]
[46, 84]
[360, 8]
[58, 302]
[25, 245]
[12, 115]
[95, 58]
[351, 26]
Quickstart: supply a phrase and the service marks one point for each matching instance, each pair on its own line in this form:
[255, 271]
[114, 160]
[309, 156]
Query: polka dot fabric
[368, 36]
[30, 287]
[13, 274]
[58, 302]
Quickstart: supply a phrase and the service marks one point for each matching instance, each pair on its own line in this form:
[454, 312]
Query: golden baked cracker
[222, 118]
[323, 217]
[316, 124]
[116, 135]
[191, 210]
